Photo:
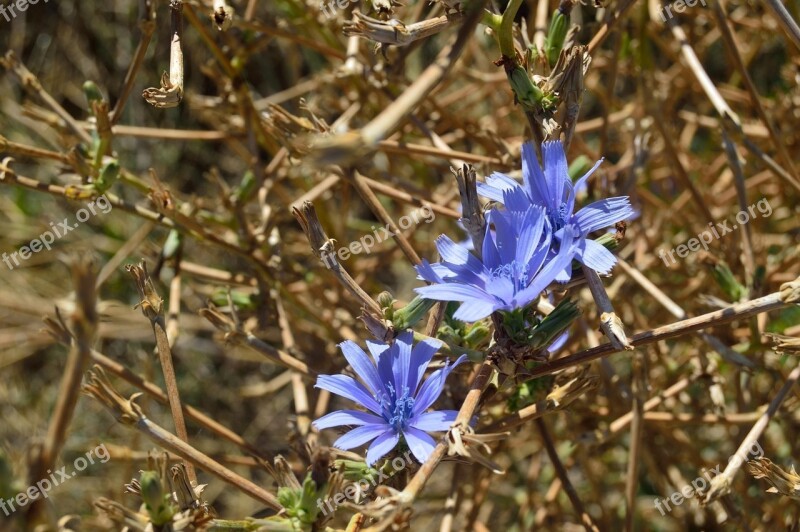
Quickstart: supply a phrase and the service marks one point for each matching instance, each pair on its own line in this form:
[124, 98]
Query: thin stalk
[153, 309]
[561, 472]
[738, 311]
[127, 412]
[84, 325]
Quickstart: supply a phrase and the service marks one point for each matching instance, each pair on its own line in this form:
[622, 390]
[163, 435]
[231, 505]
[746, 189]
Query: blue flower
[391, 390]
[516, 266]
[553, 190]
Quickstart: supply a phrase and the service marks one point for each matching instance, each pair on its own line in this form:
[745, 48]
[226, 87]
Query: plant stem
[506, 36]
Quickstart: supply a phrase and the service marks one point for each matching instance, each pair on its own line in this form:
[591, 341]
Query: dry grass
[697, 119]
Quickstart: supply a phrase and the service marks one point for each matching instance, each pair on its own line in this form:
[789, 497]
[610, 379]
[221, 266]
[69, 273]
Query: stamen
[514, 272]
[400, 410]
[559, 220]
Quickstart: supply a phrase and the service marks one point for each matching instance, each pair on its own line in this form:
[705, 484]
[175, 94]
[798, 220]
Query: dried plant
[400, 264]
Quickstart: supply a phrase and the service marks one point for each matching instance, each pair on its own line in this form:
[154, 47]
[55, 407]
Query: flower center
[398, 410]
[512, 271]
[559, 219]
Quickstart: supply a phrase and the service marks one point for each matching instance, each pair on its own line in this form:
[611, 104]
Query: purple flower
[390, 389]
[516, 267]
[553, 190]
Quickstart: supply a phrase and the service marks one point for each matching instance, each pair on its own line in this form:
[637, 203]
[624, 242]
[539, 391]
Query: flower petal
[532, 226]
[516, 199]
[386, 365]
[427, 272]
[432, 388]
[345, 386]
[381, 446]
[490, 192]
[346, 417]
[453, 292]
[580, 183]
[564, 275]
[362, 365]
[603, 213]
[402, 360]
[420, 443]
[505, 236]
[456, 254]
[495, 185]
[421, 356]
[360, 435]
[376, 349]
[547, 274]
[532, 175]
[556, 172]
[596, 256]
[539, 256]
[490, 256]
[475, 310]
[436, 421]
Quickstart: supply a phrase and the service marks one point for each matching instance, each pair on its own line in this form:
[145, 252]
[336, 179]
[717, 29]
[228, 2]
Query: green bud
[157, 503]
[152, 493]
[354, 470]
[477, 334]
[725, 279]
[554, 41]
[386, 302]
[287, 497]
[554, 324]
[608, 241]
[301, 504]
[92, 93]
[109, 173]
[308, 500]
[516, 325]
[448, 334]
[528, 94]
[408, 316]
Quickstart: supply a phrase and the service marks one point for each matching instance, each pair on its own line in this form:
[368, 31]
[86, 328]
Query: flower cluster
[533, 241]
[529, 243]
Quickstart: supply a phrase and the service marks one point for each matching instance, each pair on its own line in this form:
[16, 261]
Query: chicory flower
[393, 391]
[516, 266]
[552, 189]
